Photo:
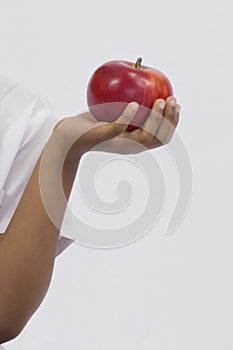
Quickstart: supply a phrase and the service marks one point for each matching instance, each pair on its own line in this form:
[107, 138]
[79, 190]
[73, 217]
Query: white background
[162, 292]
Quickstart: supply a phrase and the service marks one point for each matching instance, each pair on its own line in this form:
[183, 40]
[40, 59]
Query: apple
[116, 83]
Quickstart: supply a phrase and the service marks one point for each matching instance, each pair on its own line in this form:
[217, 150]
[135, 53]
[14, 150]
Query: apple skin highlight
[116, 83]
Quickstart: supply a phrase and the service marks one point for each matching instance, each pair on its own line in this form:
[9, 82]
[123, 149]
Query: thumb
[122, 122]
[110, 130]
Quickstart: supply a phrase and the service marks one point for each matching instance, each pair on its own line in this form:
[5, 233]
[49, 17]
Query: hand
[84, 132]
[157, 130]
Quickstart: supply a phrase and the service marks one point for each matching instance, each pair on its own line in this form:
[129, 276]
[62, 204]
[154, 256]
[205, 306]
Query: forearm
[27, 249]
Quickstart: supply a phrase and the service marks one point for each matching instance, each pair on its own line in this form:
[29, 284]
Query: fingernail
[173, 102]
[162, 104]
[134, 107]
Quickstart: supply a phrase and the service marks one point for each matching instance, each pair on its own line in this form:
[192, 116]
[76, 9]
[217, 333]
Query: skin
[28, 247]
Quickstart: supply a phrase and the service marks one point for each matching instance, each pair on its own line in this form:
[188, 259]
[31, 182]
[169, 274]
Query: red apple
[116, 83]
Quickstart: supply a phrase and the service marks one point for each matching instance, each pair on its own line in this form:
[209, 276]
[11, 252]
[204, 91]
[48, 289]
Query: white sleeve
[26, 123]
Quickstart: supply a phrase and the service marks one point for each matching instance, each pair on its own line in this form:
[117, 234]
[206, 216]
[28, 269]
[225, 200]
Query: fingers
[121, 123]
[152, 123]
[177, 115]
[156, 131]
[169, 122]
[172, 111]
[169, 112]
[159, 126]
[146, 134]
[111, 130]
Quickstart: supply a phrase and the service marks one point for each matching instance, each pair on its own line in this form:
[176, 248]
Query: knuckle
[156, 117]
[161, 136]
[144, 137]
[116, 127]
[167, 122]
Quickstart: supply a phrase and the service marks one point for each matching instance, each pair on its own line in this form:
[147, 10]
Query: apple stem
[138, 63]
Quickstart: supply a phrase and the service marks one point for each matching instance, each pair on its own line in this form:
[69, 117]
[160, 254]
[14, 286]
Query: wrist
[67, 143]
[63, 158]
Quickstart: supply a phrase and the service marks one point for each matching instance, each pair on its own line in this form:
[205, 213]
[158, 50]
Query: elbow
[7, 334]
[11, 324]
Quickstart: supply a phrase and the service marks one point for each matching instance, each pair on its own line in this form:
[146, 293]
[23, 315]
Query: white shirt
[26, 123]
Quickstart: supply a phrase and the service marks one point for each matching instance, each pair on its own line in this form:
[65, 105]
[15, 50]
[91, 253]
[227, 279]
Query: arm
[27, 249]
[27, 252]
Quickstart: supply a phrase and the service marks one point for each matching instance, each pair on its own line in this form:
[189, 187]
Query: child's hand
[157, 130]
[85, 132]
